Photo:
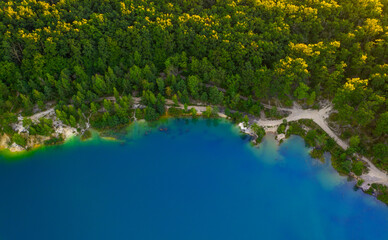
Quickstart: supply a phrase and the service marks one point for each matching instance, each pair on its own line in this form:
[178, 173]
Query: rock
[67, 132]
[4, 141]
[18, 127]
[365, 186]
[245, 130]
[280, 137]
[35, 141]
[16, 148]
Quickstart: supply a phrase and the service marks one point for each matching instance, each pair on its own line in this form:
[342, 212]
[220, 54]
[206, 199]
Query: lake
[182, 179]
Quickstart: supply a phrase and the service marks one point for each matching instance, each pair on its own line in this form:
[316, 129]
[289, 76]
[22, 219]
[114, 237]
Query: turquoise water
[195, 180]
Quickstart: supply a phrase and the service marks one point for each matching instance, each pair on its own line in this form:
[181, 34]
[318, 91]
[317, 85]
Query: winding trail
[36, 116]
[374, 175]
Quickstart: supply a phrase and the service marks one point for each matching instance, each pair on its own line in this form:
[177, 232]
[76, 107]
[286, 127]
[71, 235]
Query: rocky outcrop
[4, 141]
[36, 141]
[16, 148]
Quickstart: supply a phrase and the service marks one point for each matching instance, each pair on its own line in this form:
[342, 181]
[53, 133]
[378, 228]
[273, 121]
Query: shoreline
[270, 126]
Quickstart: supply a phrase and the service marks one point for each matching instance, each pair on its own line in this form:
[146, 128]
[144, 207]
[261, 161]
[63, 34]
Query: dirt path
[374, 175]
[36, 116]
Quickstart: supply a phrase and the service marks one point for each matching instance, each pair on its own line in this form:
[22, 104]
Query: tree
[175, 100]
[160, 83]
[356, 103]
[160, 104]
[346, 166]
[185, 107]
[246, 121]
[116, 94]
[193, 84]
[19, 140]
[93, 108]
[259, 131]
[208, 112]
[214, 111]
[354, 141]
[204, 97]
[151, 114]
[310, 138]
[358, 168]
[380, 151]
[215, 96]
[99, 85]
[168, 91]
[108, 105]
[72, 121]
[27, 122]
[382, 125]
[289, 72]
[135, 74]
[193, 112]
[27, 104]
[302, 91]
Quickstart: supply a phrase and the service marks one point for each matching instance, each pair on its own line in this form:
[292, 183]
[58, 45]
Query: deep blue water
[197, 180]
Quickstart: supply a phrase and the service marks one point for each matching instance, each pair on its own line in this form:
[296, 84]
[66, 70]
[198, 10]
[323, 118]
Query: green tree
[193, 84]
[302, 91]
[160, 83]
[382, 125]
[246, 121]
[19, 140]
[175, 100]
[193, 112]
[208, 112]
[259, 131]
[354, 141]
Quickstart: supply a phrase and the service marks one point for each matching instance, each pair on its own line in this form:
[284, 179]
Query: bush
[358, 168]
[193, 112]
[281, 129]
[310, 138]
[360, 182]
[295, 128]
[44, 127]
[87, 134]
[175, 112]
[346, 166]
[260, 132]
[139, 114]
[19, 140]
[54, 141]
[208, 112]
[317, 153]
[354, 141]
[382, 192]
[151, 114]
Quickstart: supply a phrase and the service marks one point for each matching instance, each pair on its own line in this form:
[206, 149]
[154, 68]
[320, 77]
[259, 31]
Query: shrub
[358, 168]
[87, 134]
[317, 153]
[54, 141]
[19, 140]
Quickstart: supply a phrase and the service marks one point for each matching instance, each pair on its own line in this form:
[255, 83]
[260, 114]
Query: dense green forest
[77, 51]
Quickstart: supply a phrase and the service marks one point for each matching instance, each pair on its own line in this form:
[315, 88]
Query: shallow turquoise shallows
[182, 180]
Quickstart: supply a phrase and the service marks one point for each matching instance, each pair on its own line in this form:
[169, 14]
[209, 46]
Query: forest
[73, 53]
